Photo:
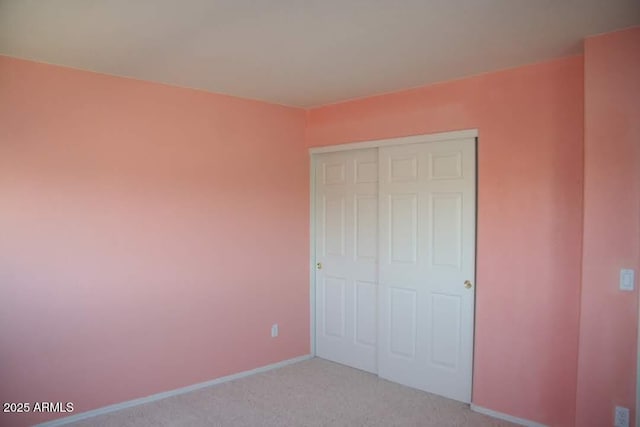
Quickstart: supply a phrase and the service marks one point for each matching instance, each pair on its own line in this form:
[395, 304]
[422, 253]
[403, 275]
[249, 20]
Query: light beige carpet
[310, 393]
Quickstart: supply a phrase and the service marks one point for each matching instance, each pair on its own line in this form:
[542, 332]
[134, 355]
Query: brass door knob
[319, 266]
[468, 284]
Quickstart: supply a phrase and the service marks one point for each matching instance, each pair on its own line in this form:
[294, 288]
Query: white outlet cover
[627, 279]
[621, 417]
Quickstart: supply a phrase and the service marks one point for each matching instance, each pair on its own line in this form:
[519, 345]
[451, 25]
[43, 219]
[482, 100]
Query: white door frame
[413, 139]
[638, 369]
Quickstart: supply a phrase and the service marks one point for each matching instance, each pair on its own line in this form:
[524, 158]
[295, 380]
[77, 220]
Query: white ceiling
[303, 52]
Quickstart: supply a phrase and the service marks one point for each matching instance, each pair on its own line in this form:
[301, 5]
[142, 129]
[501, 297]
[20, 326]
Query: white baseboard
[170, 393]
[506, 417]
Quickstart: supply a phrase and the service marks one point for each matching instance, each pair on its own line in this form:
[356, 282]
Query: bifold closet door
[346, 207]
[426, 265]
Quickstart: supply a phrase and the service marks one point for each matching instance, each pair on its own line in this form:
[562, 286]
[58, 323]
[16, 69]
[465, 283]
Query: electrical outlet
[627, 279]
[621, 418]
[274, 330]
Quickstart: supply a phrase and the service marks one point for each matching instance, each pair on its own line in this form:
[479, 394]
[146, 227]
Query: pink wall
[609, 317]
[150, 236]
[530, 122]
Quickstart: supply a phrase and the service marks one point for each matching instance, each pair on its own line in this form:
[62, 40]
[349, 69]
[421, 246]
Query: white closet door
[346, 248]
[427, 251]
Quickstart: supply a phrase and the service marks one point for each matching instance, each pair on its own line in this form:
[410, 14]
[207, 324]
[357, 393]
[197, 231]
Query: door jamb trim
[413, 139]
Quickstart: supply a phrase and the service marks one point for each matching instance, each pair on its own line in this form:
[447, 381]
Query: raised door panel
[446, 230]
[403, 228]
[333, 225]
[365, 313]
[402, 322]
[334, 306]
[366, 227]
[445, 326]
